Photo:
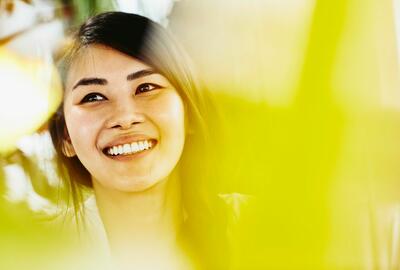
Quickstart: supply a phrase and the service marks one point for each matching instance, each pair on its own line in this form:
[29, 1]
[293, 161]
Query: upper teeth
[129, 148]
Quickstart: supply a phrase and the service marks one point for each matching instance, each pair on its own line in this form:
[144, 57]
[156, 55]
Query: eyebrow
[90, 81]
[100, 81]
[139, 74]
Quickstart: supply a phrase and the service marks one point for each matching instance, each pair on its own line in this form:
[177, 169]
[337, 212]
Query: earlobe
[66, 146]
[67, 149]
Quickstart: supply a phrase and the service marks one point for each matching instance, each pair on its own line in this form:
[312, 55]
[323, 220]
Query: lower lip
[131, 156]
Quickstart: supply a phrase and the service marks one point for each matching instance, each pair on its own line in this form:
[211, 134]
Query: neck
[141, 225]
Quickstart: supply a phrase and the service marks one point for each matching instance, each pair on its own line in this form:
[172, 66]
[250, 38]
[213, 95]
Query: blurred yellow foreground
[309, 96]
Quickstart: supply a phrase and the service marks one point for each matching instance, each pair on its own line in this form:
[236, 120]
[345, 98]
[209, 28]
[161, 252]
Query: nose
[125, 115]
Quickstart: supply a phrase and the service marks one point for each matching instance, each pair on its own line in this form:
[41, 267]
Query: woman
[132, 127]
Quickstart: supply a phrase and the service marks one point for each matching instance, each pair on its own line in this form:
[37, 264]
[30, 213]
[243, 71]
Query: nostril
[124, 116]
[126, 126]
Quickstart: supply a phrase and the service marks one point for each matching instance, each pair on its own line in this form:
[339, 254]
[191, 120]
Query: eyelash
[89, 97]
[152, 85]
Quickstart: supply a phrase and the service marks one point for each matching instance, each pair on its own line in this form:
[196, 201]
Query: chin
[134, 185]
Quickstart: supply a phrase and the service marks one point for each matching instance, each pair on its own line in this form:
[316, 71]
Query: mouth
[132, 148]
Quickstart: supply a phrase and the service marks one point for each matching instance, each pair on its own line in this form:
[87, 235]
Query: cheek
[82, 129]
[170, 115]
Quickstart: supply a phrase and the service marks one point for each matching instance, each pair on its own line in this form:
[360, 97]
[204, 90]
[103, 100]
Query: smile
[130, 148]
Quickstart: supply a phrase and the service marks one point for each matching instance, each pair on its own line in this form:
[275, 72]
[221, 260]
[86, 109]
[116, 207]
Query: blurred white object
[32, 92]
[157, 10]
[39, 147]
[19, 189]
[24, 15]
[31, 28]
[40, 42]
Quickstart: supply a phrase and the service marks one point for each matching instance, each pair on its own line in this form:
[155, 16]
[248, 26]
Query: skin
[138, 196]
[120, 110]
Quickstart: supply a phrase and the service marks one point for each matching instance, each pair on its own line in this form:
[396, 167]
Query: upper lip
[127, 139]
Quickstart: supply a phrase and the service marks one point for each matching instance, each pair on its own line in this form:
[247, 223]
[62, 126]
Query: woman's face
[125, 121]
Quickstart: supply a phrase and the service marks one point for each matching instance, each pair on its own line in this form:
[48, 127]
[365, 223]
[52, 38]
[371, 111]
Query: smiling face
[125, 121]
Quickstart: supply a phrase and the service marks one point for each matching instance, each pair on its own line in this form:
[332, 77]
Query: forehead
[102, 62]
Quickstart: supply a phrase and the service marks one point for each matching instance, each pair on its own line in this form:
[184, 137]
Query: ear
[67, 149]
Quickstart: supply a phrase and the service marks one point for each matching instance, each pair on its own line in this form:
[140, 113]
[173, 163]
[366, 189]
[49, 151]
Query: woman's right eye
[92, 97]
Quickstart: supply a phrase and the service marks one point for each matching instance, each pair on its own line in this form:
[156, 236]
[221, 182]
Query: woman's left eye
[146, 87]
